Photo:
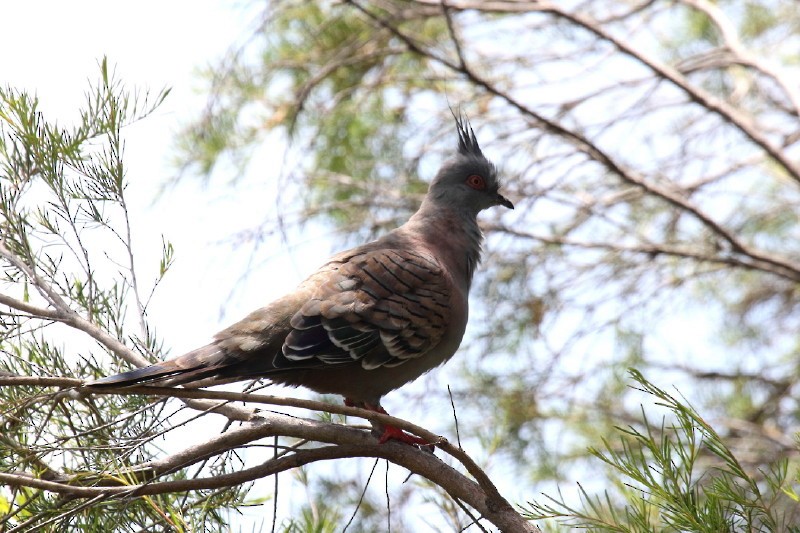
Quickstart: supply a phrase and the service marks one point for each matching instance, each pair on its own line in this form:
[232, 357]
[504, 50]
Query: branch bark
[345, 442]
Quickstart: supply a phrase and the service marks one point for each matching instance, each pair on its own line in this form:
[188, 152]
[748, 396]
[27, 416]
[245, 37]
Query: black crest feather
[467, 142]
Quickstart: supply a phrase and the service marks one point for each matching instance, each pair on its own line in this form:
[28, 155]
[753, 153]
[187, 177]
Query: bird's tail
[191, 367]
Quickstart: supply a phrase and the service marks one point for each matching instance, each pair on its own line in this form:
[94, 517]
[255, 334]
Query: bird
[373, 317]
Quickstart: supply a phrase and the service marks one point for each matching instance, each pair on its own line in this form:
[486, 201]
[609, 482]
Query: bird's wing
[379, 307]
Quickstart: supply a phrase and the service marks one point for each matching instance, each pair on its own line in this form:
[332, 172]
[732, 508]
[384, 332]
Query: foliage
[679, 476]
[652, 154]
[651, 149]
[76, 457]
[67, 266]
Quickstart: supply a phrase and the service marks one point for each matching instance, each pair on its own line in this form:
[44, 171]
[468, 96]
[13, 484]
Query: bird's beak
[505, 202]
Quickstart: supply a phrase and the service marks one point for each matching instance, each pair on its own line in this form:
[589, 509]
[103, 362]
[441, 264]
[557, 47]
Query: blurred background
[650, 148]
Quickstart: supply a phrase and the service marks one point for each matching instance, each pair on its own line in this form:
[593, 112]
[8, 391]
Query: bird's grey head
[468, 181]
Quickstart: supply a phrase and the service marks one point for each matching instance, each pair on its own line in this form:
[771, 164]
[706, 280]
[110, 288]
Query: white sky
[53, 49]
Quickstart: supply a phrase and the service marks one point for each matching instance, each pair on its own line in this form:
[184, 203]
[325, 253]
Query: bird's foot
[391, 432]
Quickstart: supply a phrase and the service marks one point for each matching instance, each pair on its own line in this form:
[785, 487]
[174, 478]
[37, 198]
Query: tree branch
[786, 267]
[744, 56]
[64, 313]
[721, 108]
[650, 249]
[349, 442]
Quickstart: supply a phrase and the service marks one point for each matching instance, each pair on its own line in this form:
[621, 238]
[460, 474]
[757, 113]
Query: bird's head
[468, 180]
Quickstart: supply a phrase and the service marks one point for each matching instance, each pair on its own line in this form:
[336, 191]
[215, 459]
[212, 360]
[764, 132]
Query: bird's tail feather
[193, 366]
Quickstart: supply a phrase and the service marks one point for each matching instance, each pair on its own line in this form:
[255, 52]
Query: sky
[53, 50]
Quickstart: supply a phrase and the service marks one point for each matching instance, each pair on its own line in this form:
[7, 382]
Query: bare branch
[69, 316]
[742, 55]
[483, 495]
[721, 108]
[781, 264]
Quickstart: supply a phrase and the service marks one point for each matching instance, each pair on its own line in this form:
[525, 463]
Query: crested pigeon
[370, 319]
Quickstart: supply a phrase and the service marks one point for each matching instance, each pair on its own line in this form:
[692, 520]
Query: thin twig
[455, 416]
[388, 501]
[36, 516]
[275, 488]
[475, 521]
[361, 498]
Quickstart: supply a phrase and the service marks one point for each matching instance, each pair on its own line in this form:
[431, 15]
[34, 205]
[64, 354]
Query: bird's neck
[453, 235]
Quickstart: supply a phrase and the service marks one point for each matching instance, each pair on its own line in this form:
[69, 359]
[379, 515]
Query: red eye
[476, 182]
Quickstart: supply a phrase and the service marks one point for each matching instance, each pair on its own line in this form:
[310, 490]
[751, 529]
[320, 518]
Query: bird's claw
[393, 433]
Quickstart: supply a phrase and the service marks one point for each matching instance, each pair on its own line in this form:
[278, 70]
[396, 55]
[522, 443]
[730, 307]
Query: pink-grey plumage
[370, 319]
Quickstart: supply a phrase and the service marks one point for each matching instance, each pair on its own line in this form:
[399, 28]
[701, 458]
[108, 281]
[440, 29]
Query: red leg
[390, 432]
[395, 433]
